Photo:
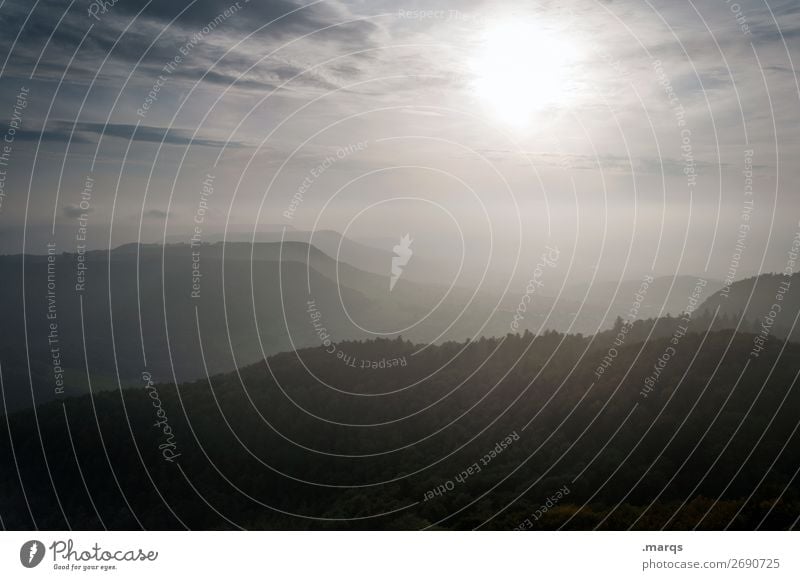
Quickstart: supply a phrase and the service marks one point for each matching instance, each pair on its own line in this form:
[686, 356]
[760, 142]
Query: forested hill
[178, 311]
[380, 437]
[754, 299]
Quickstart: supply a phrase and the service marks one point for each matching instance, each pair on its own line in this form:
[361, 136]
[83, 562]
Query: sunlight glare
[521, 69]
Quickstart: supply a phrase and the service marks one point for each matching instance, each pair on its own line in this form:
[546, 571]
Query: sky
[632, 135]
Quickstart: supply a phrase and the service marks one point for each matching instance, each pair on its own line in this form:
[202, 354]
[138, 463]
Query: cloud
[84, 132]
[158, 214]
[160, 29]
[606, 163]
[281, 17]
[268, 75]
[73, 210]
[150, 134]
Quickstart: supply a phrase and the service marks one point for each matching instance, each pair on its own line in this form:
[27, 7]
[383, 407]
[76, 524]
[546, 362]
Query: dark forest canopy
[313, 440]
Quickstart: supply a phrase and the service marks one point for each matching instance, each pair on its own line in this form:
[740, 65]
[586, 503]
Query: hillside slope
[274, 447]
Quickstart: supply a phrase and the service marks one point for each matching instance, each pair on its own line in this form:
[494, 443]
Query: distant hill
[250, 301]
[369, 258]
[664, 295]
[752, 300]
[126, 324]
[714, 444]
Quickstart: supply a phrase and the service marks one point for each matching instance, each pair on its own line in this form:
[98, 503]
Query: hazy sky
[612, 129]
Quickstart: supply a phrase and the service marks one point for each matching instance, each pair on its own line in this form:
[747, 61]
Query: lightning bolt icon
[402, 254]
[34, 549]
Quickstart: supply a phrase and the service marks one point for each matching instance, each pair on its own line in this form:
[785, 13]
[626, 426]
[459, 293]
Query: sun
[521, 68]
